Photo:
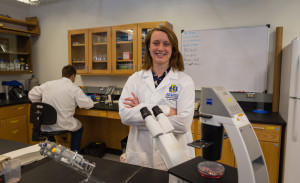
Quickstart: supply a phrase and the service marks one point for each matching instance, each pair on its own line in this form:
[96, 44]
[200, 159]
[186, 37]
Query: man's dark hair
[68, 71]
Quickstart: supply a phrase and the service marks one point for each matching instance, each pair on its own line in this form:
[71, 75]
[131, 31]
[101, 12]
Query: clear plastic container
[17, 64]
[12, 170]
[211, 169]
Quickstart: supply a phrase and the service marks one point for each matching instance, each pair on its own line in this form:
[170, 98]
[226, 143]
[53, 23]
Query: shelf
[124, 42]
[78, 62]
[31, 25]
[124, 60]
[16, 72]
[13, 53]
[78, 44]
[97, 44]
[17, 22]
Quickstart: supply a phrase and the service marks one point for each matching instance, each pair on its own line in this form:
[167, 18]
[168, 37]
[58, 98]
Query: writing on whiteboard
[235, 58]
[190, 48]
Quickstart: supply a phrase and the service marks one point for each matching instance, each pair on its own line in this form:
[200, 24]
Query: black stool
[43, 114]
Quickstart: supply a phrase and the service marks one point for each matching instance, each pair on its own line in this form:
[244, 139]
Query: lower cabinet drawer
[14, 110]
[268, 133]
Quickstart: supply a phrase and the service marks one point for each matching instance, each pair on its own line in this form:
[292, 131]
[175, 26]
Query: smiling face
[160, 49]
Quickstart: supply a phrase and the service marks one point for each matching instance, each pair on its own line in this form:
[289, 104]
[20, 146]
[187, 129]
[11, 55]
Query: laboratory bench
[102, 123]
[47, 170]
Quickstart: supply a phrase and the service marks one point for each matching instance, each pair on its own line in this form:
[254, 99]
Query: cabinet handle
[14, 121]
[139, 67]
[15, 131]
[133, 67]
[93, 112]
[259, 128]
[89, 68]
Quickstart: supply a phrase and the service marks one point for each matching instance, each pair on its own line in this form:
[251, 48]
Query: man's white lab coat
[64, 96]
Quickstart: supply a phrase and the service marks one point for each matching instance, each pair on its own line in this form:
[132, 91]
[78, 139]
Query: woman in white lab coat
[162, 83]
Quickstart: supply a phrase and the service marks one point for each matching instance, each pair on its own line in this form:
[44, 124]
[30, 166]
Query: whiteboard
[235, 58]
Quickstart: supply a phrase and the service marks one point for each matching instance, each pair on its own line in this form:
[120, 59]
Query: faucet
[110, 90]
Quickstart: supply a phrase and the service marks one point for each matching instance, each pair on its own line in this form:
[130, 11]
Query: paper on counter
[27, 155]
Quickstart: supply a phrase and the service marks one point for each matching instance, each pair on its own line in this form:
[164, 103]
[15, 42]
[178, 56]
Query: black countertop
[103, 106]
[49, 171]
[4, 102]
[272, 118]
[268, 118]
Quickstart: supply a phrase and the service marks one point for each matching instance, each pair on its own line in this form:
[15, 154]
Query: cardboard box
[127, 55]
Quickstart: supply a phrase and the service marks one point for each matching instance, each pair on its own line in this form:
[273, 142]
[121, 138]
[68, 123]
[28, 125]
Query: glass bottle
[22, 64]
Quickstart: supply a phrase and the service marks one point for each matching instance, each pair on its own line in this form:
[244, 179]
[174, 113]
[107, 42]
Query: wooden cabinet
[13, 49]
[269, 137]
[90, 50]
[102, 126]
[143, 29]
[124, 47]
[16, 45]
[13, 123]
[115, 50]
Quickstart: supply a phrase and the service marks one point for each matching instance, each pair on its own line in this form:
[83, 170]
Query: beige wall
[51, 50]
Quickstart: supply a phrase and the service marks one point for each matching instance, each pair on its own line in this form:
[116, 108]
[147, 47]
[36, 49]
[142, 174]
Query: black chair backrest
[43, 113]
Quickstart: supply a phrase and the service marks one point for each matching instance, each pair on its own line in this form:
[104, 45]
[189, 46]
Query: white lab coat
[64, 96]
[141, 147]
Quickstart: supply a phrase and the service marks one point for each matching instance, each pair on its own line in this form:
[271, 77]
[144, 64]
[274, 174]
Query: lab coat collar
[66, 79]
[149, 79]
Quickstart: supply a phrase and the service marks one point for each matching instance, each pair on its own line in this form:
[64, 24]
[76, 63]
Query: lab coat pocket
[136, 158]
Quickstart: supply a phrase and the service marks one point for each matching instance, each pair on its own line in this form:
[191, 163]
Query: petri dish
[211, 169]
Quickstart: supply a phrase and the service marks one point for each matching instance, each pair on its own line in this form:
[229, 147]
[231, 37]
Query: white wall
[50, 49]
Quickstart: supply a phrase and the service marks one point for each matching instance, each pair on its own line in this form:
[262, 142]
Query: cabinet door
[227, 156]
[100, 50]
[143, 29]
[4, 130]
[124, 48]
[15, 128]
[271, 153]
[15, 48]
[78, 50]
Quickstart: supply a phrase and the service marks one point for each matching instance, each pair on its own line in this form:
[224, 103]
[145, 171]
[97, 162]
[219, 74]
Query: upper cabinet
[116, 50]
[16, 45]
[143, 29]
[124, 46]
[90, 50]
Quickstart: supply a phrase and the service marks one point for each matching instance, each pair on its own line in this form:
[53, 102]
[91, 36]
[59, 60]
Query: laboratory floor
[111, 157]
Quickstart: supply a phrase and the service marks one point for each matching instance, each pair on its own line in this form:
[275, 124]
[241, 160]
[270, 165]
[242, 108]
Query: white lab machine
[162, 130]
[219, 108]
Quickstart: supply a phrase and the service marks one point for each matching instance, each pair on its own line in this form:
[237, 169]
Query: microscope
[220, 110]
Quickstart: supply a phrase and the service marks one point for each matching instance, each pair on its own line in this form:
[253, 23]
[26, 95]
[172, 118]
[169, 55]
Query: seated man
[64, 96]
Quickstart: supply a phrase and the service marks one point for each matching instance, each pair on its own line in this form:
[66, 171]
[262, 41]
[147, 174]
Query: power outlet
[250, 95]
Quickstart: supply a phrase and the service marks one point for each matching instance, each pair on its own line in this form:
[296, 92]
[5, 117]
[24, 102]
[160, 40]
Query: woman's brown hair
[176, 60]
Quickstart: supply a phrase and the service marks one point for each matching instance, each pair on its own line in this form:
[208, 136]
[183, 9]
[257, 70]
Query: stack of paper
[27, 155]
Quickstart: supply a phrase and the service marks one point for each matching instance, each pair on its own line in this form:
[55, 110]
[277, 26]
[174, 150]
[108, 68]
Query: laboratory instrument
[220, 110]
[69, 158]
[171, 150]
[162, 130]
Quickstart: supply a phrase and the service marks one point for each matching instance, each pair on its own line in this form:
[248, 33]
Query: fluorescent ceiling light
[31, 2]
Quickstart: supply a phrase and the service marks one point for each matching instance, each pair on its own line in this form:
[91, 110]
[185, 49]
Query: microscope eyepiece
[145, 112]
[156, 110]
